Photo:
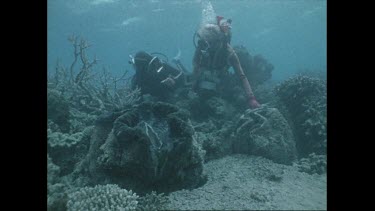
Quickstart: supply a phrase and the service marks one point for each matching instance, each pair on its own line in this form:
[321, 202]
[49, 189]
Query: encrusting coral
[305, 100]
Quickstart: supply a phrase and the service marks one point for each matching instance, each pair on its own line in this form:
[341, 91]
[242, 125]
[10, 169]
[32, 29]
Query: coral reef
[213, 107]
[305, 100]
[59, 145]
[215, 138]
[57, 197]
[265, 132]
[56, 191]
[152, 201]
[53, 171]
[88, 91]
[265, 94]
[79, 120]
[58, 110]
[313, 164]
[148, 147]
[102, 197]
[313, 73]
[102, 141]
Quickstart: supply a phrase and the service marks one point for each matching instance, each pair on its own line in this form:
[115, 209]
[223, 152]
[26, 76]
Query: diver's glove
[170, 82]
[253, 103]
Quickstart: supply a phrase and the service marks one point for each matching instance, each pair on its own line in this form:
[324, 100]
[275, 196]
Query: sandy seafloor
[242, 182]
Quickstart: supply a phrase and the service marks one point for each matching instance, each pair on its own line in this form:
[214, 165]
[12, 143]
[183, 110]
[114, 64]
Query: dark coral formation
[59, 145]
[212, 108]
[58, 109]
[265, 93]
[149, 147]
[215, 138]
[305, 100]
[265, 132]
[56, 191]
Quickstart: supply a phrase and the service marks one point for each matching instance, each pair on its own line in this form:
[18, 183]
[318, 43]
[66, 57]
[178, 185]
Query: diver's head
[224, 24]
[141, 60]
[210, 34]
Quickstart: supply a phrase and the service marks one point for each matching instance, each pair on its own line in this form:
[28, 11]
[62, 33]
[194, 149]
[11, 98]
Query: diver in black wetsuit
[155, 76]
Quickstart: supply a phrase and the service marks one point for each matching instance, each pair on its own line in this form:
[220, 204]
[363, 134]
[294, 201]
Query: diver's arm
[181, 66]
[174, 78]
[196, 68]
[235, 62]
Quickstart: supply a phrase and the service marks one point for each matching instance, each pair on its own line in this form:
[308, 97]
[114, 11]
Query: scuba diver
[213, 57]
[210, 76]
[156, 76]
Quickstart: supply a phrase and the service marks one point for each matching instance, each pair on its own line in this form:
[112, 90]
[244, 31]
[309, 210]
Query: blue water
[290, 34]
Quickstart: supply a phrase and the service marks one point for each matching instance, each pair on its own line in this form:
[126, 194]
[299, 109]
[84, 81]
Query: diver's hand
[170, 82]
[253, 103]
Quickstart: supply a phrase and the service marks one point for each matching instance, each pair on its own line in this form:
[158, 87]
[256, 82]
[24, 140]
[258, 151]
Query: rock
[265, 132]
[149, 147]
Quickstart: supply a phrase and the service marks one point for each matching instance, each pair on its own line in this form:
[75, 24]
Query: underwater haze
[291, 34]
[131, 125]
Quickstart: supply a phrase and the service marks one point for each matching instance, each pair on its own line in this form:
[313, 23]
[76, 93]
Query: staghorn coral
[85, 89]
[108, 197]
[304, 98]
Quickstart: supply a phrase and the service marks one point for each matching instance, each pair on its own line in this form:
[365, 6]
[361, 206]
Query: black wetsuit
[150, 72]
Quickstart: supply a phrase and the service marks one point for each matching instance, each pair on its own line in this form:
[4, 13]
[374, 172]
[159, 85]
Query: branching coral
[102, 198]
[88, 91]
